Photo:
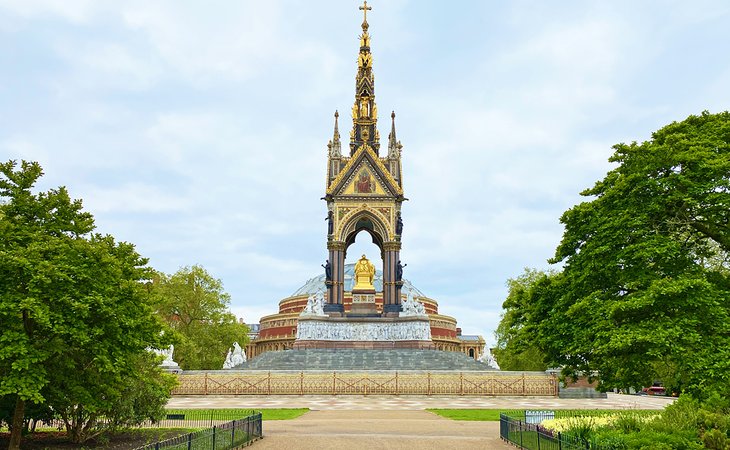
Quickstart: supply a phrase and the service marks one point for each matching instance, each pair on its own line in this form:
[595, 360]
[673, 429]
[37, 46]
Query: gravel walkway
[378, 430]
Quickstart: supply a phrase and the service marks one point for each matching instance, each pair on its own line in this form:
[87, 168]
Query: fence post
[396, 383]
[429, 384]
[190, 441]
[334, 383]
[268, 378]
[523, 384]
[537, 431]
[301, 383]
[211, 417]
[519, 422]
[461, 383]
[213, 446]
[233, 434]
[560, 441]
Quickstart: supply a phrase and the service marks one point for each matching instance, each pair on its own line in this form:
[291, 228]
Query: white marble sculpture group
[315, 305]
[363, 331]
[167, 354]
[412, 307]
[235, 357]
[488, 359]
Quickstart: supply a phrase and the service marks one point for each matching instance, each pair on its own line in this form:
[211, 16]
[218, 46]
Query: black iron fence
[192, 418]
[224, 436]
[526, 433]
[173, 418]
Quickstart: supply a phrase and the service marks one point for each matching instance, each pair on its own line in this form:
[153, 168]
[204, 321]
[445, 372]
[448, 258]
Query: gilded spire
[364, 111]
[334, 145]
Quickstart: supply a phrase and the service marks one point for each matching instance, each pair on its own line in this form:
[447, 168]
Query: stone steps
[363, 359]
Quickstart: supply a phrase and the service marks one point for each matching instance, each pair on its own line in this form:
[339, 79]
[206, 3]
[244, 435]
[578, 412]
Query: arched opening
[471, 352]
[372, 244]
[364, 242]
[364, 223]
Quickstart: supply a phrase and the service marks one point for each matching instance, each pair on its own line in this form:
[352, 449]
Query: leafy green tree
[645, 286]
[195, 305]
[516, 348]
[74, 313]
[128, 396]
[33, 413]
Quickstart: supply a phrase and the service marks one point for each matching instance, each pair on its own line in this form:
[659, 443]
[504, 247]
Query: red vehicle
[654, 390]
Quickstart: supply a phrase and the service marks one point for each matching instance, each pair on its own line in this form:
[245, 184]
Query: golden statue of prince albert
[364, 275]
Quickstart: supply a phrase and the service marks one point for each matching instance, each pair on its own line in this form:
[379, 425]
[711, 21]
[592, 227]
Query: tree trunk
[16, 433]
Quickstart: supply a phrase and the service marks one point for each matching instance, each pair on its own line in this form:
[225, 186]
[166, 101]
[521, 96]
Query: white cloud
[134, 198]
[198, 131]
[75, 11]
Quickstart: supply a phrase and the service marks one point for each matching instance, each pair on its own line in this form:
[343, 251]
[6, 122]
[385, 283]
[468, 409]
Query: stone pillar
[336, 288]
[391, 287]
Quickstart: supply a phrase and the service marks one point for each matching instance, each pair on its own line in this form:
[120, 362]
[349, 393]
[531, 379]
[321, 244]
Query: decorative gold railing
[367, 383]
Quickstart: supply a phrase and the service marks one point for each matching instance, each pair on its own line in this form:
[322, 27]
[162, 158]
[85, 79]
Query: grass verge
[493, 414]
[488, 415]
[233, 414]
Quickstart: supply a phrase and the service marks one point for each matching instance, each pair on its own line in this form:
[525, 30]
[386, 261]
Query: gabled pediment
[364, 175]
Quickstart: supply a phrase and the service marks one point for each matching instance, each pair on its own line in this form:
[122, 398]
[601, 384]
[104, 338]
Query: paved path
[414, 402]
[378, 430]
[390, 422]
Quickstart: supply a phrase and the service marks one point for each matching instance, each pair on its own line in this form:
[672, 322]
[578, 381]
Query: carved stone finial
[335, 146]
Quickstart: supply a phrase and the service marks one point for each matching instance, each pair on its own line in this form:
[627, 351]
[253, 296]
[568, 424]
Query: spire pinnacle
[334, 145]
[364, 110]
[394, 145]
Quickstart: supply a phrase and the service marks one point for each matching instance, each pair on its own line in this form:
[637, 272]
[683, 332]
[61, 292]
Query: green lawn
[468, 414]
[232, 414]
[282, 413]
[493, 414]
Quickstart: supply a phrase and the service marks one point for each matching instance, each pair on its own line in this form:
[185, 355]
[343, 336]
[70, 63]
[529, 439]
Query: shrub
[628, 423]
[716, 440]
[647, 440]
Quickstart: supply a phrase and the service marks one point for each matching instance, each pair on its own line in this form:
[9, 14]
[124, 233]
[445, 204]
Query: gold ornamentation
[365, 8]
[364, 274]
[341, 212]
[382, 226]
[336, 246]
[381, 169]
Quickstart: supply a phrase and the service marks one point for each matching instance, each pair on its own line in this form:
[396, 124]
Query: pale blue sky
[198, 130]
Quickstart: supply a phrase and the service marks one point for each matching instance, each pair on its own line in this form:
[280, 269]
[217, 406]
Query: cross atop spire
[365, 8]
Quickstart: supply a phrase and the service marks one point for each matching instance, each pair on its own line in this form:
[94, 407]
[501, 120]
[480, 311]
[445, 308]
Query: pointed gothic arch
[365, 220]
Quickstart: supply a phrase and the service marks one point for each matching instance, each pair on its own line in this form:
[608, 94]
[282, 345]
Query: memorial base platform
[364, 345]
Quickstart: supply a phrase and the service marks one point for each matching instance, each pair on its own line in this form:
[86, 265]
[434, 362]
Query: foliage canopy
[643, 295]
[75, 315]
[195, 305]
[515, 348]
